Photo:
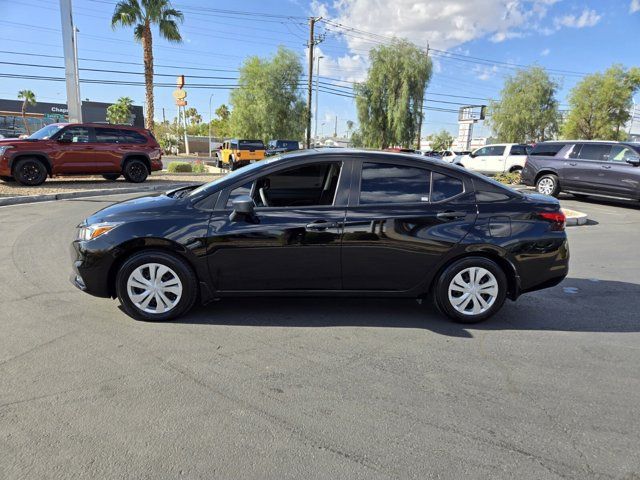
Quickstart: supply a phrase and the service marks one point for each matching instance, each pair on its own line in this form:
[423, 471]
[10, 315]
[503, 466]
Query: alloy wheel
[473, 291]
[546, 186]
[154, 288]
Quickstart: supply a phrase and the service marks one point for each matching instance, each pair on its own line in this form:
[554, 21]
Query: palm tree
[143, 14]
[28, 98]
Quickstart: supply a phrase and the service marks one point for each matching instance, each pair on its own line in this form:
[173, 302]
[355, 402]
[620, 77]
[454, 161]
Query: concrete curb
[88, 193]
[575, 218]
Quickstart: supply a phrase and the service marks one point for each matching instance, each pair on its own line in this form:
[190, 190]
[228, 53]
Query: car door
[620, 177]
[403, 218]
[110, 146]
[494, 160]
[293, 241]
[74, 149]
[584, 169]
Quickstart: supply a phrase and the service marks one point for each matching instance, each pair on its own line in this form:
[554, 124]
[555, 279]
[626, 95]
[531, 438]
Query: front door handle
[606, 166]
[450, 215]
[573, 164]
[321, 225]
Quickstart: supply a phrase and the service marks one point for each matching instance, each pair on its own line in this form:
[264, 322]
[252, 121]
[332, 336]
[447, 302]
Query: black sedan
[326, 222]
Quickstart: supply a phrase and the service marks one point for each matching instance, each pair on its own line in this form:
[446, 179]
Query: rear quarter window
[445, 187]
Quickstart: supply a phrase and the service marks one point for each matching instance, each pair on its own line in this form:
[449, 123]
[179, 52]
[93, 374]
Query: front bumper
[91, 269]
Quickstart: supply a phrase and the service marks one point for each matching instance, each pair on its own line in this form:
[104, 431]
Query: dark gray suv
[610, 169]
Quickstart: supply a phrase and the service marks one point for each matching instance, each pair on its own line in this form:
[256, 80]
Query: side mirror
[633, 160]
[243, 209]
[472, 155]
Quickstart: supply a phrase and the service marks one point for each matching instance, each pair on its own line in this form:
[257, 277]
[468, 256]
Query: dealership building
[40, 114]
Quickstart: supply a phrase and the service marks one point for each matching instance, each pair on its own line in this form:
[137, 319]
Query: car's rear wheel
[112, 177]
[156, 286]
[30, 171]
[548, 185]
[7, 179]
[135, 171]
[232, 163]
[471, 289]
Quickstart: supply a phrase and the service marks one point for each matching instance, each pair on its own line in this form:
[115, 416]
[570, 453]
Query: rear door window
[518, 150]
[594, 151]
[389, 183]
[107, 135]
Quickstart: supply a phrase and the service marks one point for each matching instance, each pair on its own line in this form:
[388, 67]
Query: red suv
[80, 149]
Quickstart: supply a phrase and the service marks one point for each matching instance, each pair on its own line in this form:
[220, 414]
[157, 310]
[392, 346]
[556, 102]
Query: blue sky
[475, 44]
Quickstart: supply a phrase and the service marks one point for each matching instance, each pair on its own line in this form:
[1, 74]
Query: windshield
[230, 176]
[45, 132]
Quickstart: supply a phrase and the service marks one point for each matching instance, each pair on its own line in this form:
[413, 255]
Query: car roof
[580, 141]
[96, 124]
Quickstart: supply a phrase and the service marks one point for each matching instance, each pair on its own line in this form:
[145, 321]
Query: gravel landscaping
[87, 183]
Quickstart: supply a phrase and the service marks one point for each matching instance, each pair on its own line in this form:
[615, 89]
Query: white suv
[498, 158]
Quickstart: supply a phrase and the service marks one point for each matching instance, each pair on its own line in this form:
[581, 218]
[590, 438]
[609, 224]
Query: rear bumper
[547, 268]
[528, 176]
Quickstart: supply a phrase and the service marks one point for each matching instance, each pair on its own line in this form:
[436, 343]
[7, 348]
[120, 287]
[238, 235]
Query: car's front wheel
[548, 185]
[471, 289]
[30, 171]
[156, 286]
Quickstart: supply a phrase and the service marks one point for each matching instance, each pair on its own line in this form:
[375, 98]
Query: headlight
[89, 232]
[4, 149]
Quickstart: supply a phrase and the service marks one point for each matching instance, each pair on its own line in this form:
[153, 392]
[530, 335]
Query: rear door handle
[606, 166]
[450, 215]
[573, 164]
[320, 225]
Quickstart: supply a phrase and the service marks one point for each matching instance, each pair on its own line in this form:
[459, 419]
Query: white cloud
[545, 52]
[485, 73]
[588, 18]
[635, 6]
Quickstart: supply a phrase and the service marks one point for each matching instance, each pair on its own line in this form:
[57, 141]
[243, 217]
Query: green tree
[28, 98]
[120, 112]
[142, 15]
[441, 140]
[600, 105]
[527, 110]
[221, 124]
[267, 104]
[192, 115]
[389, 101]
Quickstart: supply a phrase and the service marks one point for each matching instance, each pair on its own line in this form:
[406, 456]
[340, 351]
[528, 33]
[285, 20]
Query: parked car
[80, 149]
[275, 147]
[331, 222]
[452, 156]
[495, 159]
[583, 168]
[237, 153]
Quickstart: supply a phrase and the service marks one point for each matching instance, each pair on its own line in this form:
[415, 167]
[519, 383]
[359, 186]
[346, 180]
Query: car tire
[7, 179]
[156, 303]
[135, 171]
[30, 171]
[112, 177]
[481, 282]
[548, 185]
[232, 163]
[218, 163]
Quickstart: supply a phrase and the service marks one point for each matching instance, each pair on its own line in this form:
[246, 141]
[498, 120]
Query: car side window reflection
[239, 191]
[389, 183]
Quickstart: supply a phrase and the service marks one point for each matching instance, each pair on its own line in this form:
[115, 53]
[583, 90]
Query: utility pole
[335, 128]
[419, 141]
[313, 41]
[210, 97]
[316, 109]
[70, 62]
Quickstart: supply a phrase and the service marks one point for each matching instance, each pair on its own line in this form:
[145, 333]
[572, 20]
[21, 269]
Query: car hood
[136, 209]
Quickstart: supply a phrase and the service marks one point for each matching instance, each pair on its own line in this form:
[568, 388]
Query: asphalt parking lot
[293, 388]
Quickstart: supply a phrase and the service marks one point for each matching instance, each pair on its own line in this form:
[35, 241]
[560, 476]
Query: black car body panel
[590, 168]
[344, 247]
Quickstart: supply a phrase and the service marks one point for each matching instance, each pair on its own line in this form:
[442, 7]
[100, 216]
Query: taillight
[557, 220]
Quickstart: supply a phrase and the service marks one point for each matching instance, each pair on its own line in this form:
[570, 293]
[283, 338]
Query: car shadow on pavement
[609, 202]
[576, 305]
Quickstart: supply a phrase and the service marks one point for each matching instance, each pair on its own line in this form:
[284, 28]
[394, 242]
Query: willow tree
[527, 110]
[142, 15]
[267, 104]
[601, 105]
[389, 102]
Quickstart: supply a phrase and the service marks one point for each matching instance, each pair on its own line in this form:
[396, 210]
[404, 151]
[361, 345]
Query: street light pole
[315, 136]
[210, 97]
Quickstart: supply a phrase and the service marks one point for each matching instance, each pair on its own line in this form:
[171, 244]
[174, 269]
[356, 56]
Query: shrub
[511, 178]
[198, 167]
[175, 167]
